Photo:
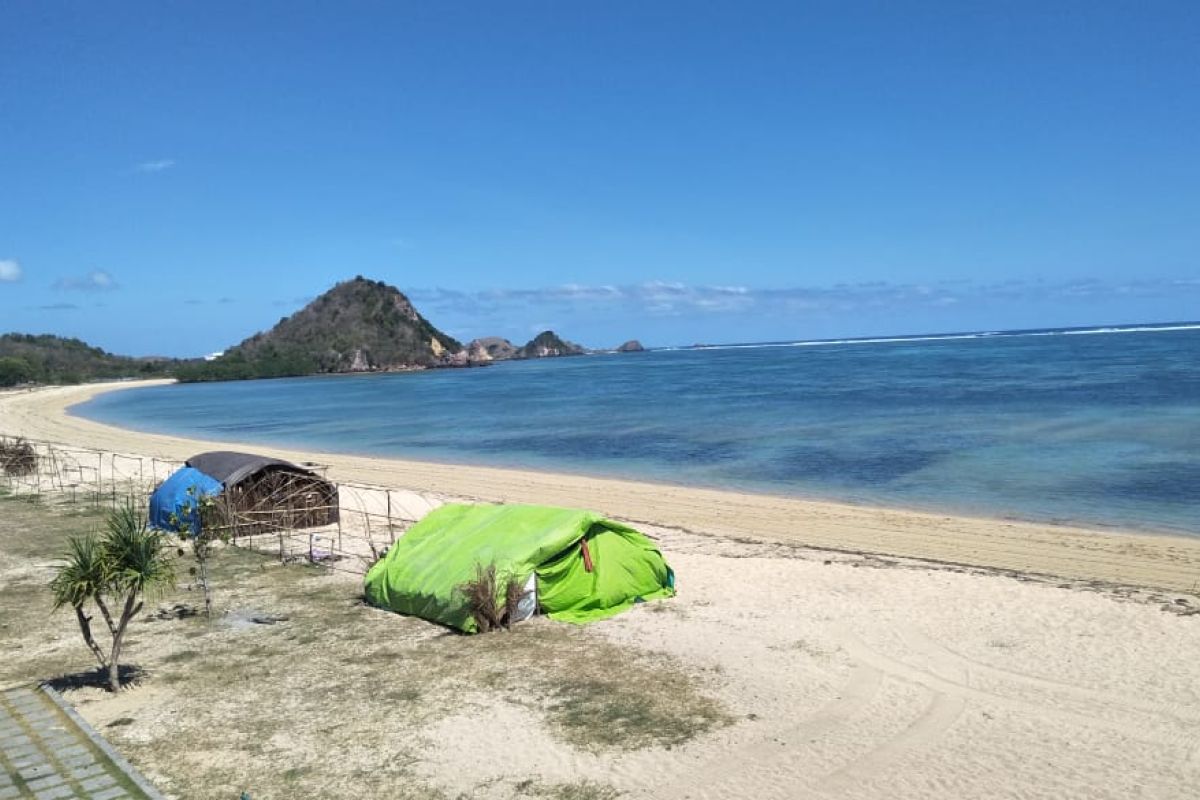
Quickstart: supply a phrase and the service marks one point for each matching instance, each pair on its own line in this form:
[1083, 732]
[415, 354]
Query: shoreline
[1130, 557]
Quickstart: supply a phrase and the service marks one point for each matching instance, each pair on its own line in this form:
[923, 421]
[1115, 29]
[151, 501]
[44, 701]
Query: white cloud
[156, 166]
[670, 298]
[10, 270]
[95, 281]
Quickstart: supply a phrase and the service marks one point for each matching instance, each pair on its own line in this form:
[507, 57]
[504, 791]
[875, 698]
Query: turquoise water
[1100, 427]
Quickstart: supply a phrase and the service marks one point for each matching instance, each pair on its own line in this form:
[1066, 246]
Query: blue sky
[176, 176]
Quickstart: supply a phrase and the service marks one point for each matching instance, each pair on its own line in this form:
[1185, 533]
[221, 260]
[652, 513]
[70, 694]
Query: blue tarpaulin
[172, 504]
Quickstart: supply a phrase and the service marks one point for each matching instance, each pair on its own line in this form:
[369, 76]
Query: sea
[1096, 426]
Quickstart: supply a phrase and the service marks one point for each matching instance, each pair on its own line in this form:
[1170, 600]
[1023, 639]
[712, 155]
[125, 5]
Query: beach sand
[1058, 552]
[859, 652]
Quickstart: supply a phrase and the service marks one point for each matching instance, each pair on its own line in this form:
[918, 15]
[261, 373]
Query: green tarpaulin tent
[586, 567]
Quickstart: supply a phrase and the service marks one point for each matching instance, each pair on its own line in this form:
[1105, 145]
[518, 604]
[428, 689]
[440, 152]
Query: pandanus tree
[113, 572]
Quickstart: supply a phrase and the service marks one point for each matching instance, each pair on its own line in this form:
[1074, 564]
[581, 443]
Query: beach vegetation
[578, 790]
[26, 358]
[596, 710]
[273, 362]
[17, 456]
[198, 526]
[492, 598]
[14, 371]
[112, 572]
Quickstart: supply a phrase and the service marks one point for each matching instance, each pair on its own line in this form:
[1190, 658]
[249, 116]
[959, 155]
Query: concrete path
[48, 755]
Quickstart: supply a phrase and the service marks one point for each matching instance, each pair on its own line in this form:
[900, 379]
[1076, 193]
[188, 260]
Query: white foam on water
[941, 337]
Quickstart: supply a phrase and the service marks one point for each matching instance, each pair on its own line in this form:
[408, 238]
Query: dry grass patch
[598, 695]
[32, 535]
[25, 603]
[581, 790]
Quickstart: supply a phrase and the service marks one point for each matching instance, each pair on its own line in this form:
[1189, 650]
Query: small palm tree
[118, 568]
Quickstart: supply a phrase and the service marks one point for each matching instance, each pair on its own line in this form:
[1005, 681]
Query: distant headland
[359, 325]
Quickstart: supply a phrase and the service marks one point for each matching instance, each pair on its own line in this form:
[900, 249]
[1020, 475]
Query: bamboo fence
[346, 529]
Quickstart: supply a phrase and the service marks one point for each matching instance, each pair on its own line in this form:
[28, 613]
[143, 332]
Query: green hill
[359, 325]
[548, 344]
[26, 358]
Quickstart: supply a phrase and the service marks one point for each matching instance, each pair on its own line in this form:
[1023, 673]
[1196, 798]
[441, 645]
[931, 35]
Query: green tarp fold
[421, 574]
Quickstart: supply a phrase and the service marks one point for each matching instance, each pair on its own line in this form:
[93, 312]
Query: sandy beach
[852, 652]
[1057, 552]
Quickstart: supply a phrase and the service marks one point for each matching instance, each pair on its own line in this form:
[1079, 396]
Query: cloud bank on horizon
[672, 298]
[675, 313]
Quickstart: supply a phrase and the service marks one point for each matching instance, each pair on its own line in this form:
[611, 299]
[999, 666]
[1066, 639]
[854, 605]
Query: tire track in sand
[758, 768]
[1096, 697]
[1096, 702]
[942, 711]
[928, 678]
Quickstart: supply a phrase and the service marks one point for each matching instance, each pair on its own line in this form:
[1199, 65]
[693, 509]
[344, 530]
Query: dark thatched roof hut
[252, 493]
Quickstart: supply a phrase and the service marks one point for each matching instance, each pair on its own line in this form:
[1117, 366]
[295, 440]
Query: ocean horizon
[1097, 426]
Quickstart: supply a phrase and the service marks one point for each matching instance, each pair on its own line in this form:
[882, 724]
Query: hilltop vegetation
[359, 325]
[26, 358]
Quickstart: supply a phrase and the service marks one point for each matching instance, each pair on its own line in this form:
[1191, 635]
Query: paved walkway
[46, 755]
